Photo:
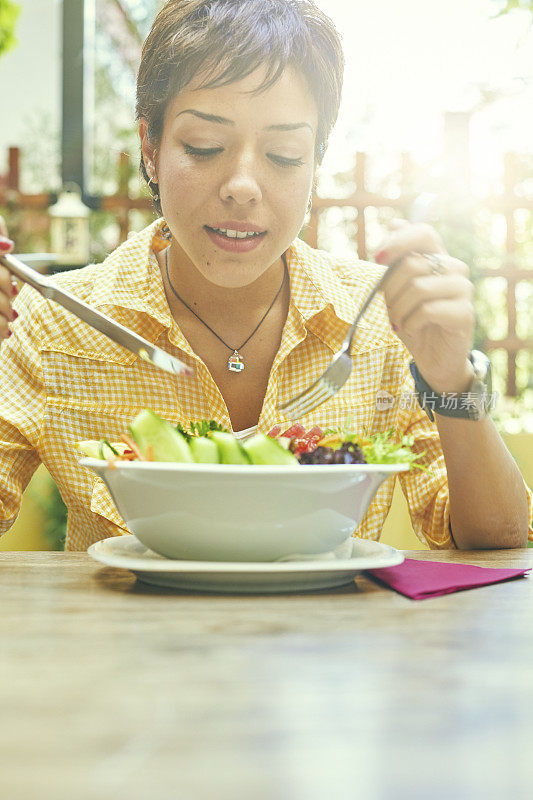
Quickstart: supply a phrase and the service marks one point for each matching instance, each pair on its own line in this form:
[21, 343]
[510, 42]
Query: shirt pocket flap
[100, 349]
[103, 505]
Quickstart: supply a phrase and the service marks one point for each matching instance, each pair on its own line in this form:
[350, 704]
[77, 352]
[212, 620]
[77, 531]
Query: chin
[232, 281]
[232, 275]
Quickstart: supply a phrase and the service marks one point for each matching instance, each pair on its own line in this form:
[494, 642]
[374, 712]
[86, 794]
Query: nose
[241, 183]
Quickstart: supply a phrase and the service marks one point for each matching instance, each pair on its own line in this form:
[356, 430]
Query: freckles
[182, 179]
[182, 174]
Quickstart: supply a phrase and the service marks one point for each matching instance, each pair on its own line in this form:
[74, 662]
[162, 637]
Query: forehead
[289, 100]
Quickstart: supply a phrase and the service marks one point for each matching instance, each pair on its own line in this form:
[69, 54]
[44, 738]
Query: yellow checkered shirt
[63, 382]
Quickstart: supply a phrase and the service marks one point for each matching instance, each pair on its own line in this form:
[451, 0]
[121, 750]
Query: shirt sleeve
[22, 404]
[529, 495]
[427, 492]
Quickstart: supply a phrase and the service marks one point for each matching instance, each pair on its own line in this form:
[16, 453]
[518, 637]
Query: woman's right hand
[8, 287]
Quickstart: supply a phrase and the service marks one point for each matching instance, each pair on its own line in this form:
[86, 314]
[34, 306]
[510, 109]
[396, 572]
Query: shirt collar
[130, 284]
[326, 292]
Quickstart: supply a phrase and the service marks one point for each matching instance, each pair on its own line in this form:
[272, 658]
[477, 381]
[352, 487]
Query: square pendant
[235, 363]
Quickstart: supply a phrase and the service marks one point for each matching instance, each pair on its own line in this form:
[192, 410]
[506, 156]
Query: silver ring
[438, 265]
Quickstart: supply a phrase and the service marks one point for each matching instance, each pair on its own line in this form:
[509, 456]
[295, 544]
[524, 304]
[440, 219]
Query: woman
[235, 103]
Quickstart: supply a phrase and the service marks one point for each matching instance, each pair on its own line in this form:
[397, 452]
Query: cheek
[294, 193]
[180, 184]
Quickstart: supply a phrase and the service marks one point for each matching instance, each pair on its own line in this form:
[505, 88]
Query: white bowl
[221, 512]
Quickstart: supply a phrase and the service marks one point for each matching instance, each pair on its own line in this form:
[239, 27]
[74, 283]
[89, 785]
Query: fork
[338, 372]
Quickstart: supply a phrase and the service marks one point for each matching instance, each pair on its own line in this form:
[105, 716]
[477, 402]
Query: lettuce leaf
[202, 427]
[382, 447]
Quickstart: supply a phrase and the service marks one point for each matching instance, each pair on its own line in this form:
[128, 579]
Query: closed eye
[282, 161]
[201, 153]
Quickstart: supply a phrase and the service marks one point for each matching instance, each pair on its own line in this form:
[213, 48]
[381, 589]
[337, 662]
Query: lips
[235, 234]
[241, 226]
[237, 237]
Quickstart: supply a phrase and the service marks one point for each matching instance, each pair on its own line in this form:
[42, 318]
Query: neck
[206, 297]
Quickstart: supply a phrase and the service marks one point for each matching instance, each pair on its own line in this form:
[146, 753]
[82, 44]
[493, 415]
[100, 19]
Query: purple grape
[347, 453]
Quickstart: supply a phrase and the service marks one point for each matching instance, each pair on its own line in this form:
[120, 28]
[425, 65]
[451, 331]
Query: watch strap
[472, 404]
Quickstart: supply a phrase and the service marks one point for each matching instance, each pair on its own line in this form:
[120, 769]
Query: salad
[151, 438]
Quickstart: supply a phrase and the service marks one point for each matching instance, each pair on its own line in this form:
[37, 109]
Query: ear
[147, 150]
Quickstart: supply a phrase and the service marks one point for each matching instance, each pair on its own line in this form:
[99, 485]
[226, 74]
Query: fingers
[7, 291]
[6, 245]
[3, 228]
[417, 297]
[425, 290]
[420, 238]
[451, 316]
[8, 286]
[415, 270]
[397, 223]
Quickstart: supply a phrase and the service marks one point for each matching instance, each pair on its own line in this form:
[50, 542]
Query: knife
[100, 322]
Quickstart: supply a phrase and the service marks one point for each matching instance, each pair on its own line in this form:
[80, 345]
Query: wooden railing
[122, 203]
[505, 204]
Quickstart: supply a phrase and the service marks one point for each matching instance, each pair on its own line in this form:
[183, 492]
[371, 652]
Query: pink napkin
[421, 579]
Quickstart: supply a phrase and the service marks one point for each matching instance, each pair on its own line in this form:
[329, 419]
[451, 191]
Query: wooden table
[114, 689]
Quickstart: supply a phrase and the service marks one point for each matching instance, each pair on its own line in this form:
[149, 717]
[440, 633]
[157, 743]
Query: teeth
[231, 234]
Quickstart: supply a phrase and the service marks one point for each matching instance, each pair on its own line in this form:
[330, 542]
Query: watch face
[481, 387]
[479, 396]
[481, 364]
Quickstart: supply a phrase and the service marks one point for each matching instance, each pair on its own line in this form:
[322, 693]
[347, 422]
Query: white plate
[317, 572]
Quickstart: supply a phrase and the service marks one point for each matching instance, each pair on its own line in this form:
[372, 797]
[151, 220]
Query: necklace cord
[235, 349]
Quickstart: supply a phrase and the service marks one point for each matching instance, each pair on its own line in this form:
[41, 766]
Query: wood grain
[113, 689]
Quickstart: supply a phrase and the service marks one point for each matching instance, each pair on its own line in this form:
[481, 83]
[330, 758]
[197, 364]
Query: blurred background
[436, 123]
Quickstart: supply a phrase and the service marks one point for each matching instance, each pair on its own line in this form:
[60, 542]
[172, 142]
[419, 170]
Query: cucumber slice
[262, 449]
[204, 451]
[100, 449]
[104, 445]
[230, 450]
[167, 444]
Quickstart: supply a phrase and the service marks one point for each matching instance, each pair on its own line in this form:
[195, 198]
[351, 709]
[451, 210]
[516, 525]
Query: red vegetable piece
[295, 431]
[313, 433]
[275, 431]
[299, 446]
[312, 442]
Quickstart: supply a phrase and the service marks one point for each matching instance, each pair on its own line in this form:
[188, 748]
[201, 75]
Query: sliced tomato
[307, 441]
[299, 445]
[295, 431]
[312, 443]
[275, 431]
[313, 433]
[301, 442]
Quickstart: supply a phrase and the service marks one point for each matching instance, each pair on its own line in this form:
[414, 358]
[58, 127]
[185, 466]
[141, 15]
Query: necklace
[235, 361]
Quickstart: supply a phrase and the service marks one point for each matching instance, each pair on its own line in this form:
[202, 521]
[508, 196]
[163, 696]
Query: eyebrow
[284, 126]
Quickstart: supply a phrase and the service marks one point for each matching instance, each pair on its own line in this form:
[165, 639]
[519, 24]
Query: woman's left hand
[430, 307]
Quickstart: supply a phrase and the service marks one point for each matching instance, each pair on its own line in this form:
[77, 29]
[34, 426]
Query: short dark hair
[227, 40]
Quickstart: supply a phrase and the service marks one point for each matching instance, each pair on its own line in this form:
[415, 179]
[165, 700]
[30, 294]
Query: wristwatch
[472, 404]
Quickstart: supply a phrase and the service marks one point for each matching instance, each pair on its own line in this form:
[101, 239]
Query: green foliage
[40, 155]
[514, 414]
[9, 12]
[506, 6]
[55, 529]
[55, 512]
[472, 233]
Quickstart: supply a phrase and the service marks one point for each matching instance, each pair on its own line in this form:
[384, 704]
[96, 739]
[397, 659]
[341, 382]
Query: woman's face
[230, 161]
